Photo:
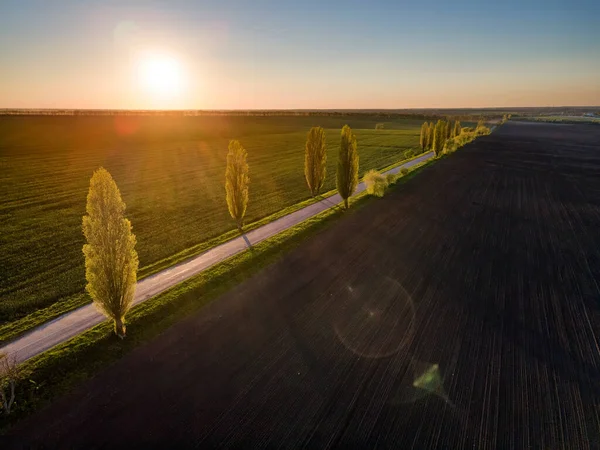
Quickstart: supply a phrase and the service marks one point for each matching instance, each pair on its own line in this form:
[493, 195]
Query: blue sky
[280, 54]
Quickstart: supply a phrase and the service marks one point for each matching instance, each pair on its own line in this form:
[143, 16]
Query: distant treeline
[387, 114]
[465, 114]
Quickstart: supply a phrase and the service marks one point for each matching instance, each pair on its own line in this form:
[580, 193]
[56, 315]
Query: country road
[75, 322]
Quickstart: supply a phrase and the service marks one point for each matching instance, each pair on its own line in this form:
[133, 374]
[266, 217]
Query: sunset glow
[161, 76]
[233, 55]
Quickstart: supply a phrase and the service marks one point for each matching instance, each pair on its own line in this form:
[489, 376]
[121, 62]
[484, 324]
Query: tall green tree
[111, 261]
[481, 123]
[448, 129]
[431, 137]
[424, 135]
[445, 129]
[457, 128]
[439, 137]
[236, 182]
[347, 166]
[315, 160]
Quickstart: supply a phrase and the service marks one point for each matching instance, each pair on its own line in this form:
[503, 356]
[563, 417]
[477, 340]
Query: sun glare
[161, 75]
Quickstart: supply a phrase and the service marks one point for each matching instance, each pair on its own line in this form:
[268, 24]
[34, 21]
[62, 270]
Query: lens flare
[374, 318]
[423, 380]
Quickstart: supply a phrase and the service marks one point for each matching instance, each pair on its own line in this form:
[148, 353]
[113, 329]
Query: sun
[161, 75]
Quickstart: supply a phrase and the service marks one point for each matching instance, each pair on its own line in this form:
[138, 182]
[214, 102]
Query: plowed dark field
[462, 310]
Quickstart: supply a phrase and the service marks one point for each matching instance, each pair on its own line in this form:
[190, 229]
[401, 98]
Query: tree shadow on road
[247, 241]
[328, 201]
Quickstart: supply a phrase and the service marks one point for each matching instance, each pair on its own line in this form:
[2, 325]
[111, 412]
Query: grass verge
[14, 329]
[60, 369]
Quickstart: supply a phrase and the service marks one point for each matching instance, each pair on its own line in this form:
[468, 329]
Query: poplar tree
[111, 261]
[236, 182]
[315, 160]
[424, 135]
[457, 128]
[347, 166]
[439, 137]
[445, 129]
[431, 138]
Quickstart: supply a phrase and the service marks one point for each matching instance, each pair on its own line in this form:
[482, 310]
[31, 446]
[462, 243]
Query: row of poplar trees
[315, 170]
[315, 163]
[434, 136]
[111, 261]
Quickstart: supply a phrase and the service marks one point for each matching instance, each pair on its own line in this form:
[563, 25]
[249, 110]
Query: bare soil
[462, 310]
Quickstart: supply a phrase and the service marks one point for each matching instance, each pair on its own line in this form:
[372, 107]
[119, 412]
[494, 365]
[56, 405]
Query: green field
[171, 174]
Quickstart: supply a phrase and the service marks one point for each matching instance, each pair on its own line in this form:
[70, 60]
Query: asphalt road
[75, 322]
[461, 311]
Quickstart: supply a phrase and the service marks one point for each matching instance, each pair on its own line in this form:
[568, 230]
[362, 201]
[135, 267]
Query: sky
[279, 54]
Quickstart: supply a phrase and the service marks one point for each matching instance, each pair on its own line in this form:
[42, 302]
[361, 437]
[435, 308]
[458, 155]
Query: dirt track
[486, 264]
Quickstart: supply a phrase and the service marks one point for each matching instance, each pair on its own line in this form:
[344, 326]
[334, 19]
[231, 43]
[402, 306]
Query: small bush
[380, 126]
[467, 134]
[404, 171]
[10, 374]
[451, 145]
[375, 183]
[482, 131]
[391, 178]
[464, 138]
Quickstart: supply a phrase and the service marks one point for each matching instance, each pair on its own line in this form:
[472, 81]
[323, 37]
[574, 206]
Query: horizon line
[4, 109]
